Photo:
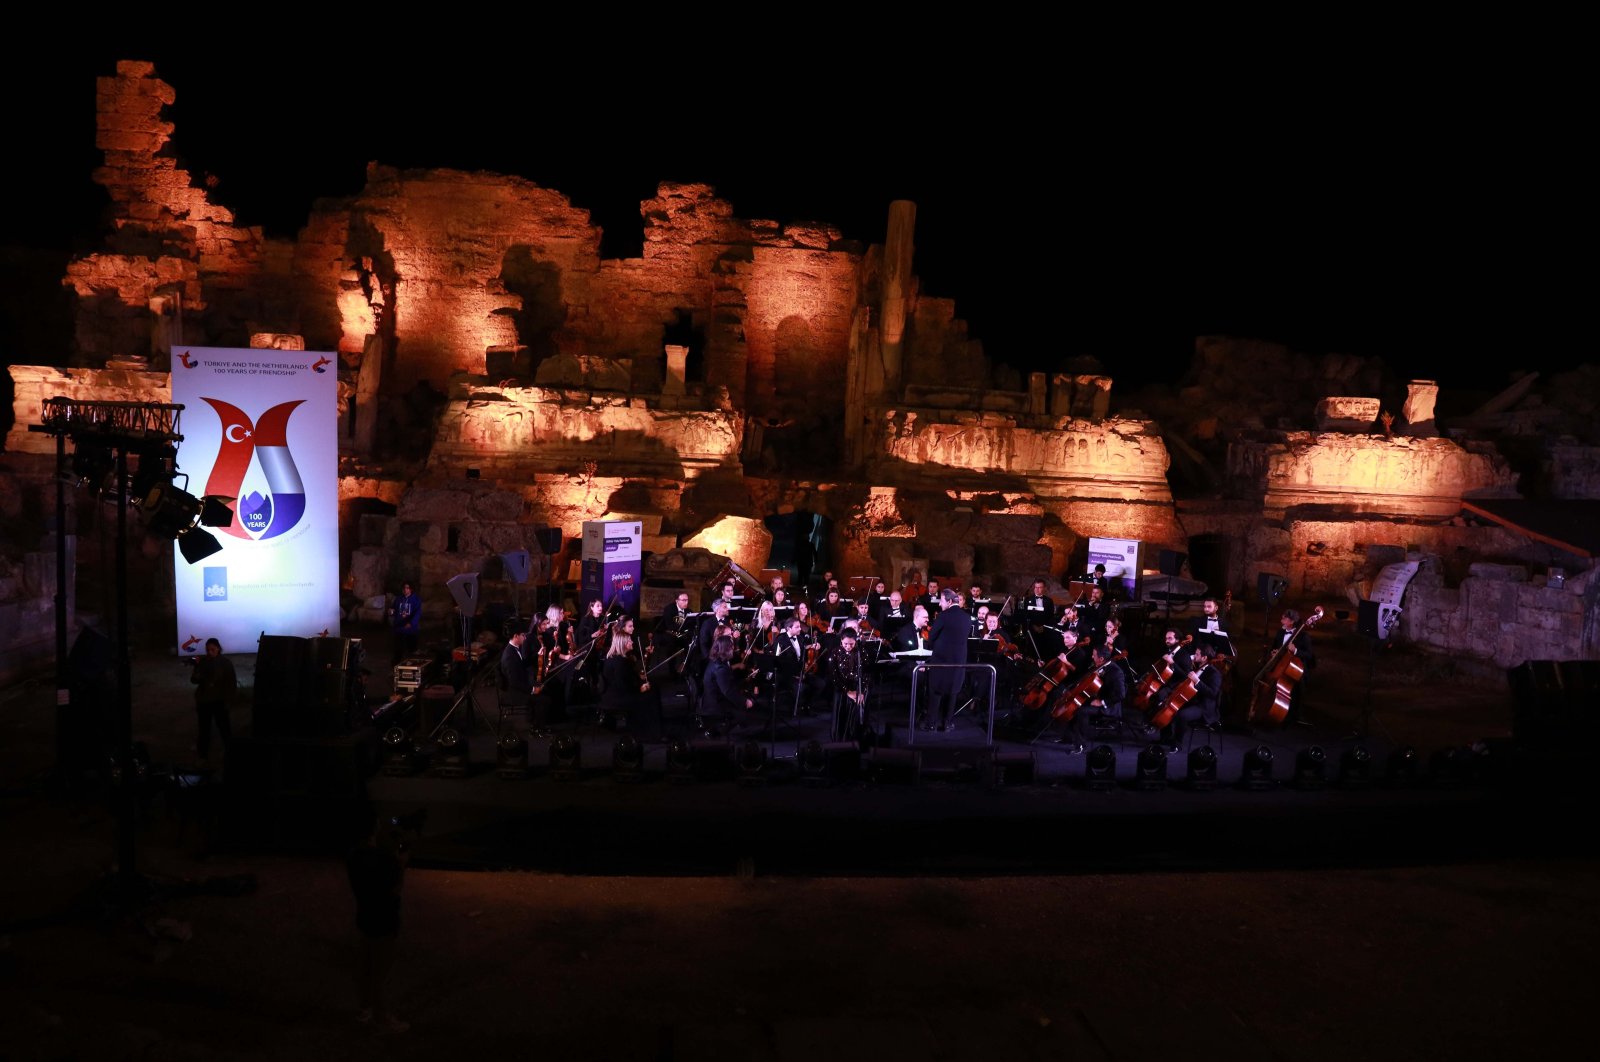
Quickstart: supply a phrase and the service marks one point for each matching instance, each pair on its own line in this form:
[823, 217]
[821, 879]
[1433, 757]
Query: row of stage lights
[818, 763]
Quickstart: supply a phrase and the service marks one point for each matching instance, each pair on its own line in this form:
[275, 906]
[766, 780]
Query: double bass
[1275, 683]
[1160, 674]
[1085, 690]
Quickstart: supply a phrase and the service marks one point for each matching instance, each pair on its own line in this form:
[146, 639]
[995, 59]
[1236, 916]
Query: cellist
[1107, 702]
[1205, 707]
[1300, 645]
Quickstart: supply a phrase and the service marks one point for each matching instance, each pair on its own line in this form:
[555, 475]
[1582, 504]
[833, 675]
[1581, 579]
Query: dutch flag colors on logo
[257, 516]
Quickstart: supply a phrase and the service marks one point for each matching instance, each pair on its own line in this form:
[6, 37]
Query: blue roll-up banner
[261, 427]
[612, 557]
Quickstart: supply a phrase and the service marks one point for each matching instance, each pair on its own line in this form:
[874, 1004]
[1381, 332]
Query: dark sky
[1422, 212]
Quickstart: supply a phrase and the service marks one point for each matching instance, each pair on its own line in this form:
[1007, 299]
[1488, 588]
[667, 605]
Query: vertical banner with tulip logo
[260, 427]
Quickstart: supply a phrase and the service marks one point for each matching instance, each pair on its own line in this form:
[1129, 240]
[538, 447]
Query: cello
[1274, 685]
[1184, 692]
[1084, 691]
[1160, 674]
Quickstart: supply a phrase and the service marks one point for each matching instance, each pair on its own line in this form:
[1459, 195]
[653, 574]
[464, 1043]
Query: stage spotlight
[813, 763]
[511, 755]
[174, 513]
[893, 766]
[1202, 767]
[566, 758]
[158, 464]
[399, 756]
[1100, 769]
[680, 762]
[1453, 767]
[92, 462]
[1257, 774]
[215, 511]
[1402, 766]
[1311, 768]
[196, 545]
[627, 759]
[1151, 772]
[453, 761]
[1355, 768]
[752, 763]
[1012, 768]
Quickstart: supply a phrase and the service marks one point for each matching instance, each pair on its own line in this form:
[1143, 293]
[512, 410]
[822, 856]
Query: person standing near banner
[406, 615]
[214, 682]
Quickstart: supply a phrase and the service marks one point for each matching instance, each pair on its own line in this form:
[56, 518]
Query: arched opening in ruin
[684, 332]
[538, 285]
[800, 544]
[1210, 561]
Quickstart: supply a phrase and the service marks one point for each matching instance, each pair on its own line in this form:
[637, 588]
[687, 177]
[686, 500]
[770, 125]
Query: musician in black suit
[1302, 648]
[1205, 708]
[1210, 620]
[1107, 702]
[933, 600]
[1037, 609]
[516, 678]
[893, 614]
[1093, 613]
[947, 637]
[673, 626]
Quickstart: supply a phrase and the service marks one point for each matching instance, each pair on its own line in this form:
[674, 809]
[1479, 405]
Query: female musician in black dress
[624, 684]
[723, 694]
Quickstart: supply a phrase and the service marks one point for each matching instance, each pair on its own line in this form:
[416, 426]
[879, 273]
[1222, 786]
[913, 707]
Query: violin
[1274, 685]
[1084, 691]
[1003, 645]
[1160, 674]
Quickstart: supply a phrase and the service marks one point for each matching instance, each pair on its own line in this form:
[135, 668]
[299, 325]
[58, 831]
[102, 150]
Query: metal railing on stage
[994, 683]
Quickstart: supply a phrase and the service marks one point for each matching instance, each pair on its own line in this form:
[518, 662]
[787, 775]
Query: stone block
[434, 505]
[435, 539]
[1346, 414]
[1499, 573]
[369, 571]
[744, 540]
[372, 529]
[496, 505]
[1420, 398]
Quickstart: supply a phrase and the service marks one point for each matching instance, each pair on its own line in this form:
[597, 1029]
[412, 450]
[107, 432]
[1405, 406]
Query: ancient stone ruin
[500, 379]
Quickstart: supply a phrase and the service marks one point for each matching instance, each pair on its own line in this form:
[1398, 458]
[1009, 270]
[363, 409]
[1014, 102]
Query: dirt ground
[1469, 960]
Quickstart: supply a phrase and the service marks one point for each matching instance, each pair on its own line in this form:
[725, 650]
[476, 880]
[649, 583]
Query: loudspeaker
[1170, 562]
[1545, 711]
[518, 564]
[1367, 619]
[282, 669]
[464, 589]
[1270, 587]
[549, 539]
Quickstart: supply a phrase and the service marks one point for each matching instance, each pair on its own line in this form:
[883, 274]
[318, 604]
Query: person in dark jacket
[214, 682]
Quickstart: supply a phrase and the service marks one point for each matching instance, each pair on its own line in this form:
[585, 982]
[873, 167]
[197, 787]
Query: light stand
[118, 427]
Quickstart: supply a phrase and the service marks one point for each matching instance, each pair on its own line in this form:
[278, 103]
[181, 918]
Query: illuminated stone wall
[507, 430]
[158, 213]
[1366, 473]
[450, 238]
[1122, 460]
[1500, 613]
[32, 385]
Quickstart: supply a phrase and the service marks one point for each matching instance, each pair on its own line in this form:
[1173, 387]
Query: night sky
[1360, 205]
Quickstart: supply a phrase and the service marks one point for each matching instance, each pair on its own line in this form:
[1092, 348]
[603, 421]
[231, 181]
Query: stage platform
[793, 802]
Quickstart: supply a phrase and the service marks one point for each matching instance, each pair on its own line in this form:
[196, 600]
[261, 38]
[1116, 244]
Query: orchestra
[756, 655]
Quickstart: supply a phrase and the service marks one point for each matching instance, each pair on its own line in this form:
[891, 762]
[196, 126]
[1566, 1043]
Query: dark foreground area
[879, 920]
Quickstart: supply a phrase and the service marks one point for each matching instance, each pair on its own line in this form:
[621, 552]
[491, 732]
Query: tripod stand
[469, 692]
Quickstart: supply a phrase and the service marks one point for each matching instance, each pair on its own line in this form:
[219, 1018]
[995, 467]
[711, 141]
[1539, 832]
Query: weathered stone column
[1061, 394]
[677, 360]
[897, 266]
[1036, 393]
[1420, 397]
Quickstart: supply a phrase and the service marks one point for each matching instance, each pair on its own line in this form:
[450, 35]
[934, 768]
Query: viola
[1160, 674]
[1084, 691]
[1274, 685]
